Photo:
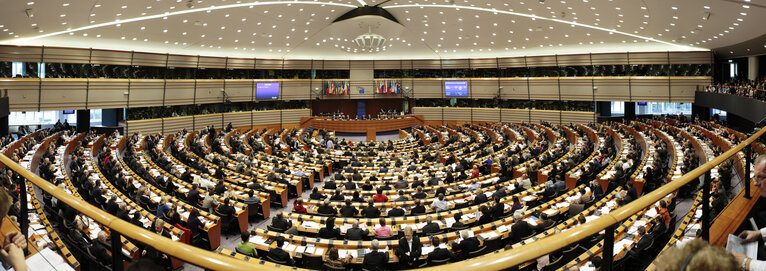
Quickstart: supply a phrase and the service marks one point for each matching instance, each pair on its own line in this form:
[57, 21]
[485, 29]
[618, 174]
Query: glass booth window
[654, 108]
[51, 117]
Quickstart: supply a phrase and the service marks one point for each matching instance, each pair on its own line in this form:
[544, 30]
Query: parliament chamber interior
[383, 135]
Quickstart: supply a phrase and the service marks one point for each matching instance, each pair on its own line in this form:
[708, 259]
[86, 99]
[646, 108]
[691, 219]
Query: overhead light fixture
[370, 42]
[706, 16]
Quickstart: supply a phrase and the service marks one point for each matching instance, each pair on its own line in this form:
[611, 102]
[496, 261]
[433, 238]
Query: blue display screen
[267, 91]
[455, 88]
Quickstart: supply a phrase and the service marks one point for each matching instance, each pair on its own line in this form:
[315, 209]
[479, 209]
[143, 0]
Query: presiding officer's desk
[362, 126]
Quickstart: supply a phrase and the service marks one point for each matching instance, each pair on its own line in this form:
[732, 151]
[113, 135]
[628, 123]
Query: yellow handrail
[184, 252]
[492, 261]
[514, 257]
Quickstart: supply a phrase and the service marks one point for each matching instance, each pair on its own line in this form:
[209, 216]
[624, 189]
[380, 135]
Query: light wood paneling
[486, 114]
[361, 64]
[107, 93]
[297, 90]
[298, 64]
[294, 115]
[172, 125]
[237, 119]
[611, 89]
[179, 92]
[514, 115]
[388, 64]
[576, 88]
[66, 55]
[455, 63]
[483, 63]
[429, 113]
[426, 64]
[513, 62]
[609, 59]
[23, 93]
[240, 63]
[182, 61]
[153, 126]
[267, 117]
[514, 88]
[570, 117]
[202, 121]
[20, 54]
[209, 91]
[682, 90]
[58, 92]
[691, 57]
[108, 57]
[239, 90]
[146, 92]
[541, 61]
[484, 88]
[650, 89]
[574, 60]
[543, 88]
[212, 62]
[648, 58]
[457, 113]
[336, 64]
[150, 59]
[553, 117]
[427, 88]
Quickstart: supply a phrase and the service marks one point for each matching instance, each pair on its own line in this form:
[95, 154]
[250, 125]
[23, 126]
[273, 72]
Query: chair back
[275, 261]
[269, 227]
[481, 251]
[242, 252]
[328, 267]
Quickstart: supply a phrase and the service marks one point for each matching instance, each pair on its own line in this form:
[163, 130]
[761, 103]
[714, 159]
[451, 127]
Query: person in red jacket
[475, 172]
[298, 206]
[379, 197]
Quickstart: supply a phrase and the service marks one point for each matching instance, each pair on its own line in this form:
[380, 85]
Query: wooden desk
[370, 127]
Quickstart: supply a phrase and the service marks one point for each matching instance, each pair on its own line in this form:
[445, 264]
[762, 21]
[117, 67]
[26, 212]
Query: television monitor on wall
[67, 112]
[267, 91]
[641, 103]
[455, 88]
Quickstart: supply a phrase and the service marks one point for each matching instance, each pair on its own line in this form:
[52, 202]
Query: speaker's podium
[369, 127]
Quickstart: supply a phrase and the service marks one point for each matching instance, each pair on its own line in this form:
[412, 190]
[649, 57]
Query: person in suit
[543, 223]
[576, 207]
[420, 194]
[375, 260]
[520, 228]
[418, 209]
[329, 231]
[438, 253]
[348, 210]
[278, 254]
[642, 244]
[349, 185]
[498, 209]
[395, 211]
[338, 196]
[458, 223]
[208, 202]
[402, 196]
[158, 256]
[480, 197]
[409, 249]
[430, 227]
[226, 209]
[466, 246]
[355, 233]
[111, 206]
[315, 195]
[326, 209]
[371, 211]
[281, 223]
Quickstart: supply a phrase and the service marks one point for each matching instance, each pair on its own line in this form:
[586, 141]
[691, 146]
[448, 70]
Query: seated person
[375, 260]
[439, 253]
[458, 222]
[348, 210]
[338, 196]
[355, 233]
[430, 227]
[440, 204]
[402, 196]
[420, 194]
[329, 231]
[326, 208]
[226, 209]
[371, 211]
[278, 254]
[384, 230]
[298, 207]
[315, 195]
[279, 222]
[380, 197]
[334, 260]
[395, 211]
[418, 209]
[246, 246]
[467, 245]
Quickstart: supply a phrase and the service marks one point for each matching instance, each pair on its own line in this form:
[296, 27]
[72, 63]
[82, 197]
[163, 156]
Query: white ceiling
[431, 29]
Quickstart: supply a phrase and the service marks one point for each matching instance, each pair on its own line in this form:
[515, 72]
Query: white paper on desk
[319, 251]
[734, 244]
[425, 250]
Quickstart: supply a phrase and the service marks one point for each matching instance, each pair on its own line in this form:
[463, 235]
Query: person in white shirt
[440, 204]
[755, 235]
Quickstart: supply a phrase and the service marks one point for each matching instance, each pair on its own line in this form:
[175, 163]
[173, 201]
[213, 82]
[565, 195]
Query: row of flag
[336, 87]
[388, 87]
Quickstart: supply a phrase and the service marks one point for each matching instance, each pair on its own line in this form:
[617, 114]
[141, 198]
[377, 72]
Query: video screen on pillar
[455, 88]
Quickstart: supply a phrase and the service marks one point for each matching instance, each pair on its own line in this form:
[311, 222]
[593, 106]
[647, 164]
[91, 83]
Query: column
[752, 67]
[83, 120]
